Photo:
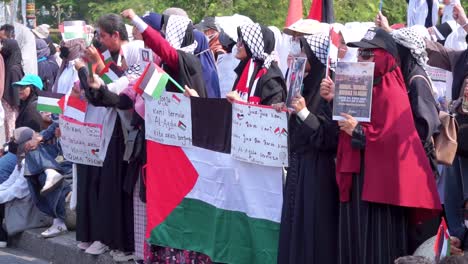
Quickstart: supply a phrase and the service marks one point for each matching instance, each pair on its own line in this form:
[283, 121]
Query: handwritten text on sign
[259, 135]
[80, 142]
[168, 120]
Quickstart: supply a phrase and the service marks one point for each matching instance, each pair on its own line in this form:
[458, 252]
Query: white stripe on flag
[222, 182]
[153, 83]
[48, 101]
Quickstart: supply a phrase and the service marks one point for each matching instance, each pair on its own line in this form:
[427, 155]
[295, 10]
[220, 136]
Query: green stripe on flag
[106, 79]
[198, 226]
[161, 86]
[49, 108]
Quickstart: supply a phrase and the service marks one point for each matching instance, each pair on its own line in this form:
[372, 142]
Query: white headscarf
[418, 11]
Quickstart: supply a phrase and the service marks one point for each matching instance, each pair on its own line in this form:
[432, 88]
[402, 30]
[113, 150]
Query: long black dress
[309, 221]
[104, 209]
[370, 233]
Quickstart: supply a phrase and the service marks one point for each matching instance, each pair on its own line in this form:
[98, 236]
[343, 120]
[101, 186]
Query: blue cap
[30, 79]
[153, 20]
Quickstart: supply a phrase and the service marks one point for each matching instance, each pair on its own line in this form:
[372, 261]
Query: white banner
[168, 120]
[259, 135]
[80, 142]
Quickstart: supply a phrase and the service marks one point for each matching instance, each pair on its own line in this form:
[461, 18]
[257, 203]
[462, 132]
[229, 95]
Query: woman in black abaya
[310, 207]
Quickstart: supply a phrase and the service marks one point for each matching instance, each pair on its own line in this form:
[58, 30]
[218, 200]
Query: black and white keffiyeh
[175, 33]
[411, 39]
[318, 44]
[252, 36]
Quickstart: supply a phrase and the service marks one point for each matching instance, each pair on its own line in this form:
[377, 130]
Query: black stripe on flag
[211, 123]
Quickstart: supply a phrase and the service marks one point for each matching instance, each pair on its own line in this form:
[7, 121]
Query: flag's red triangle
[170, 176]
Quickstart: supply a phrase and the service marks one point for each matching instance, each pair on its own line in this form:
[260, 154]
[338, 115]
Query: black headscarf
[11, 53]
[407, 63]
[459, 74]
[311, 92]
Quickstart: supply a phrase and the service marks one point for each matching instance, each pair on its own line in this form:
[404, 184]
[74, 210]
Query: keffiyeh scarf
[253, 38]
[411, 39]
[175, 33]
[319, 44]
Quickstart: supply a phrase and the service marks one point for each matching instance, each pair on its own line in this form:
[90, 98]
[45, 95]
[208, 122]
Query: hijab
[316, 50]
[179, 33]
[42, 49]
[210, 73]
[259, 43]
[400, 176]
[11, 53]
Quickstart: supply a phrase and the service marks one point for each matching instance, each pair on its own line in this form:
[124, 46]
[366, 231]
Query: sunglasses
[366, 54]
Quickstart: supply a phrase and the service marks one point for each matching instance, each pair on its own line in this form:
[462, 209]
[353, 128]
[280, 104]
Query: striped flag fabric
[49, 102]
[73, 30]
[111, 73]
[154, 80]
[322, 10]
[75, 108]
[233, 207]
[442, 243]
[107, 57]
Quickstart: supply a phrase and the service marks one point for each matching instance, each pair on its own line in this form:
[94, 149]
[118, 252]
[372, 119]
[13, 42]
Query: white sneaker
[53, 180]
[83, 245]
[3, 244]
[54, 230]
[120, 256]
[97, 248]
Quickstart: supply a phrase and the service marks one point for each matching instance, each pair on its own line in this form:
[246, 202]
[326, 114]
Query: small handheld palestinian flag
[111, 73]
[332, 52]
[107, 57]
[442, 243]
[73, 30]
[154, 81]
[49, 102]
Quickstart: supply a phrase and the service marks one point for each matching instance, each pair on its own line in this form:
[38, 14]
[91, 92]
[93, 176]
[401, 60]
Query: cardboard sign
[168, 120]
[259, 135]
[80, 142]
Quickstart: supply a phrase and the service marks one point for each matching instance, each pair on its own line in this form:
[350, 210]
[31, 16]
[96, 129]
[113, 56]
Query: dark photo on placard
[353, 90]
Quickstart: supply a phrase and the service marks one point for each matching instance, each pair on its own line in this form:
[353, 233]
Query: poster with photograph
[295, 78]
[353, 90]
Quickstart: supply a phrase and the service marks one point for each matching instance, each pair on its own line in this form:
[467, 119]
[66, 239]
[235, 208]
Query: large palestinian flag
[205, 201]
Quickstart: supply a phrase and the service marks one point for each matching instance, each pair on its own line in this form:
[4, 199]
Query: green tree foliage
[269, 12]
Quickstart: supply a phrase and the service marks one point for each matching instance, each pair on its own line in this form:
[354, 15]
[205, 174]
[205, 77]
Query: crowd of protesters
[355, 192]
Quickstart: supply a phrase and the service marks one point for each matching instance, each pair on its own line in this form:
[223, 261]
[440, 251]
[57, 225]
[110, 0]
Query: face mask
[234, 50]
[64, 52]
[295, 48]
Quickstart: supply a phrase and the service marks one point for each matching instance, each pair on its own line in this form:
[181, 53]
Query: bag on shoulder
[445, 143]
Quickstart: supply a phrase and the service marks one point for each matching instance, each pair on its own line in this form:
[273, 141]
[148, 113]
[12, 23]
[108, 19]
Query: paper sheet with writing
[80, 142]
[259, 135]
[353, 90]
[168, 120]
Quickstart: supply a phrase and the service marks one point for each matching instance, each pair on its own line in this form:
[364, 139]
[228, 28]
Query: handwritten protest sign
[80, 142]
[168, 120]
[259, 135]
[353, 90]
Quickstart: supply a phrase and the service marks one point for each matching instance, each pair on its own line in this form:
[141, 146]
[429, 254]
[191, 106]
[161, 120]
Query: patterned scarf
[253, 37]
[175, 33]
[411, 39]
[318, 44]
